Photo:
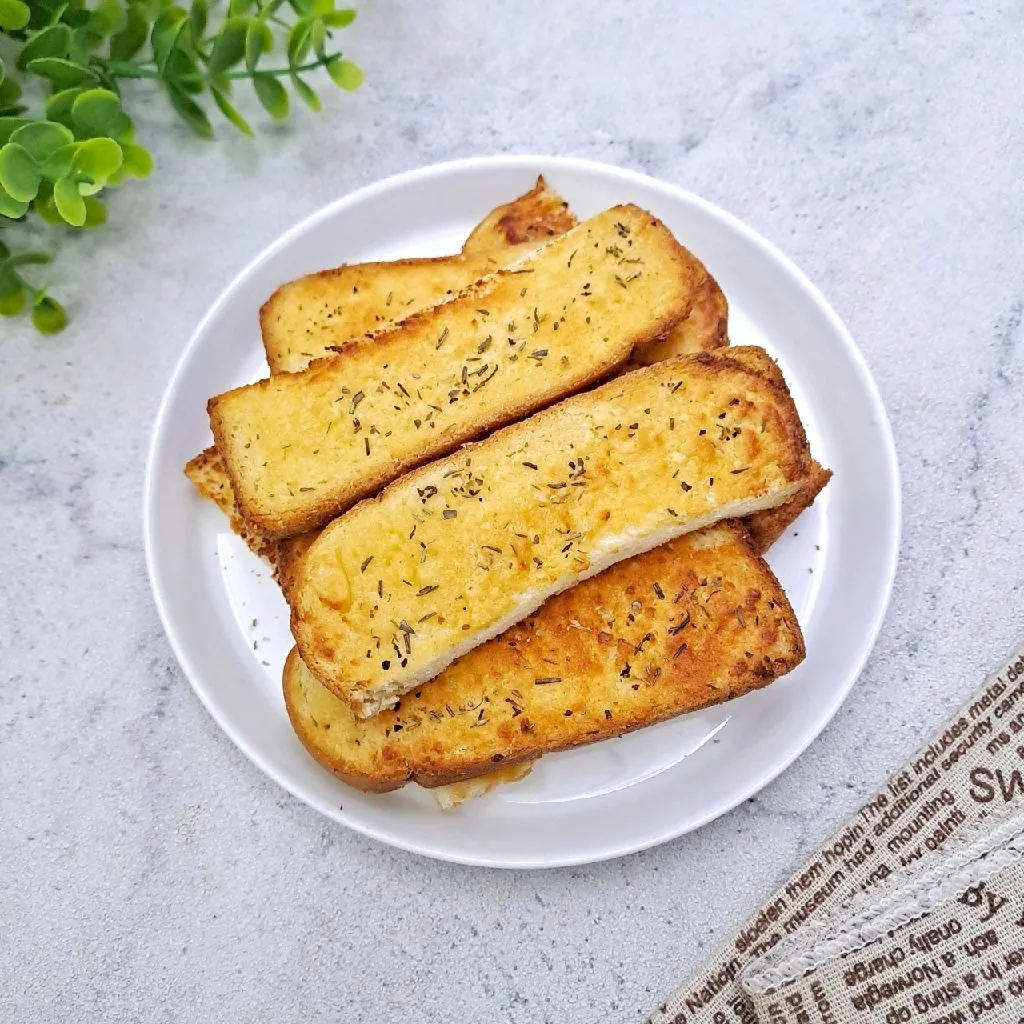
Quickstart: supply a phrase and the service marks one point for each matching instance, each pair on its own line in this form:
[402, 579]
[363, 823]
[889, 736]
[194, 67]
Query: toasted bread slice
[533, 218]
[207, 473]
[301, 448]
[688, 625]
[454, 553]
[308, 318]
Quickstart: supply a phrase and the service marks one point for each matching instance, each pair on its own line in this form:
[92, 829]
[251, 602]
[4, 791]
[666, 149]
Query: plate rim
[534, 162]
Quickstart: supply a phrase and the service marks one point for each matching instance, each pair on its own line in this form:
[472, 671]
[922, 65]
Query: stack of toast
[516, 498]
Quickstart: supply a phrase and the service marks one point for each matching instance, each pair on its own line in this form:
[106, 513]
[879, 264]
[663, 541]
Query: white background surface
[153, 874]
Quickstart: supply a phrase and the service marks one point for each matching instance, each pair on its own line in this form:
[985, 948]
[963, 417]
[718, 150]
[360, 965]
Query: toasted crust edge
[767, 527]
[536, 216]
[197, 469]
[703, 329]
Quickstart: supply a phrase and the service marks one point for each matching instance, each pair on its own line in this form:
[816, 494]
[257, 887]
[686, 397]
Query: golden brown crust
[210, 478]
[767, 527]
[755, 359]
[682, 627]
[534, 217]
[289, 554]
[284, 413]
[704, 329]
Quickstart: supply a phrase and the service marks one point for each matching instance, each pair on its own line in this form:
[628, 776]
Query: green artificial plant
[64, 132]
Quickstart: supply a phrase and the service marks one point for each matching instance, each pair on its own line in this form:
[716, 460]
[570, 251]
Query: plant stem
[127, 69]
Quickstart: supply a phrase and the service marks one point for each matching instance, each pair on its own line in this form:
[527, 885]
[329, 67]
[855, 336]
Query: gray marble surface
[150, 872]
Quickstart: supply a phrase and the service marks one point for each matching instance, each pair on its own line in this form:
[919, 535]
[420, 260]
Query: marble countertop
[151, 873]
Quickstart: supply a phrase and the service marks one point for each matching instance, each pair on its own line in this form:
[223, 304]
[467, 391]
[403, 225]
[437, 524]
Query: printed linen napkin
[912, 912]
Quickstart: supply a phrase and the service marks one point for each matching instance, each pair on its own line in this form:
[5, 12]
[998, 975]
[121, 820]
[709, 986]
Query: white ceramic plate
[228, 624]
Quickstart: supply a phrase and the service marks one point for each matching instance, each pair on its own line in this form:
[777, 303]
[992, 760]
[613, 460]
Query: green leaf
[63, 73]
[12, 302]
[10, 93]
[69, 201]
[44, 206]
[302, 7]
[81, 46]
[239, 7]
[226, 108]
[14, 15]
[42, 139]
[54, 41]
[258, 41]
[306, 94]
[97, 159]
[11, 207]
[190, 112]
[107, 18]
[338, 19]
[48, 315]
[29, 259]
[271, 93]
[183, 71]
[319, 37]
[9, 125]
[198, 16]
[229, 47]
[58, 163]
[12, 291]
[19, 174]
[344, 73]
[97, 113]
[131, 38]
[136, 160]
[95, 212]
[165, 33]
[58, 106]
[300, 41]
